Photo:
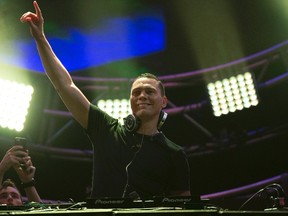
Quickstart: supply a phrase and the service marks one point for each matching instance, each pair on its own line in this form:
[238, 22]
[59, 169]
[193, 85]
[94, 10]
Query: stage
[160, 211]
[139, 212]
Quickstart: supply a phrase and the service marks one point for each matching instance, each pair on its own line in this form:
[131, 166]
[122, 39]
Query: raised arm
[26, 174]
[72, 97]
[12, 157]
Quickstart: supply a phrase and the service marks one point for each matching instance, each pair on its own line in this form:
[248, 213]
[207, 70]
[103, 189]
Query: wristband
[28, 184]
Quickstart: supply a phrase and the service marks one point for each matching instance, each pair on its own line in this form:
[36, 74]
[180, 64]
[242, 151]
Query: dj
[134, 160]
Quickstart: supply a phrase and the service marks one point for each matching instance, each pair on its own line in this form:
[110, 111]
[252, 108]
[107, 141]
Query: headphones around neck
[132, 123]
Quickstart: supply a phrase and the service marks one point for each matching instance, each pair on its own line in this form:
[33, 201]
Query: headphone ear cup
[131, 123]
[162, 118]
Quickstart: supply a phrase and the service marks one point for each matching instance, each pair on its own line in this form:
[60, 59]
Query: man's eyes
[3, 196]
[135, 93]
[15, 196]
[148, 91]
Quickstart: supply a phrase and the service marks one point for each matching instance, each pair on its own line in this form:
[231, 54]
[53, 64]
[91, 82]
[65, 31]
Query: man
[19, 159]
[9, 194]
[136, 163]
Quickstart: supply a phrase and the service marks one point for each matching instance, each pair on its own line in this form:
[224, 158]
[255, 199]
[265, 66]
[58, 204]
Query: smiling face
[146, 99]
[10, 196]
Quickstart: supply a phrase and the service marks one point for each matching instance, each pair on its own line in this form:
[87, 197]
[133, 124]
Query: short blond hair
[152, 76]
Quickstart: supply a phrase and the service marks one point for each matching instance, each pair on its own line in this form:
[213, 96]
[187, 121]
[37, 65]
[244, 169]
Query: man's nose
[9, 197]
[142, 94]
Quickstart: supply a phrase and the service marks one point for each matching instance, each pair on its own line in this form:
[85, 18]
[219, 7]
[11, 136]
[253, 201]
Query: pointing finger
[37, 9]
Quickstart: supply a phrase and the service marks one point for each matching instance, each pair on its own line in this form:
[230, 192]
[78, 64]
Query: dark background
[239, 149]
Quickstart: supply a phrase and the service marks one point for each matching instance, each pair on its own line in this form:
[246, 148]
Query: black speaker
[132, 123]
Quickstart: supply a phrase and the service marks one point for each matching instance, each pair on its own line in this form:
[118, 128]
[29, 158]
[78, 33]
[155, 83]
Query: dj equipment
[132, 123]
[157, 206]
[185, 202]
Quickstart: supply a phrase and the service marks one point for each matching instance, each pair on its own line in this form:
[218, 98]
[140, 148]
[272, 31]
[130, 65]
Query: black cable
[276, 187]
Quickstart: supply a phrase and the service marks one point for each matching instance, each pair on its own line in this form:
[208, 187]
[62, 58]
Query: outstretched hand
[34, 20]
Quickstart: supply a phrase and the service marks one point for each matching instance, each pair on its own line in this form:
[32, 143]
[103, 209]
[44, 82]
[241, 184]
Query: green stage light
[117, 108]
[232, 94]
[14, 104]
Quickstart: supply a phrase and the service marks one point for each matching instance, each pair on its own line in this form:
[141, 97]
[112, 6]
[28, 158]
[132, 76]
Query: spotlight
[15, 101]
[232, 94]
[117, 108]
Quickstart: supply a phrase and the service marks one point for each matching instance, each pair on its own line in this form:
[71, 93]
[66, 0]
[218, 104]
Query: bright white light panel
[231, 94]
[117, 108]
[14, 104]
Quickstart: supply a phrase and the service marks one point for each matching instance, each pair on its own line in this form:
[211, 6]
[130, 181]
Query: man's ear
[164, 102]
